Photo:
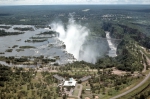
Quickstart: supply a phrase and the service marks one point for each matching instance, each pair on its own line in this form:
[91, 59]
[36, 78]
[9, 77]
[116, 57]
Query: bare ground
[87, 98]
[118, 72]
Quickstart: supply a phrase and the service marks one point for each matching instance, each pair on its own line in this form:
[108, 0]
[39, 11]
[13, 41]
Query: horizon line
[67, 4]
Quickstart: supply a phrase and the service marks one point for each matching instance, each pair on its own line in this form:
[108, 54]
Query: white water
[73, 36]
[113, 49]
[42, 48]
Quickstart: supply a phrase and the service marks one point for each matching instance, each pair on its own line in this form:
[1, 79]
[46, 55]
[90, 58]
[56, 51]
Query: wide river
[50, 48]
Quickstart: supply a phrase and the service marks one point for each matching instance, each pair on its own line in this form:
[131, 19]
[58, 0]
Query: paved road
[141, 83]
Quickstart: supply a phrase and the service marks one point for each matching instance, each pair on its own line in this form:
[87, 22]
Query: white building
[71, 82]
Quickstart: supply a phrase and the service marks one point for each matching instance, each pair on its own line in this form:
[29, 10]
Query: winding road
[138, 85]
[141, 83]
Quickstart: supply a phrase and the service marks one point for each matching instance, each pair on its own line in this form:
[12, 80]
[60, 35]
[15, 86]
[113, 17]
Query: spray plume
[74, 37]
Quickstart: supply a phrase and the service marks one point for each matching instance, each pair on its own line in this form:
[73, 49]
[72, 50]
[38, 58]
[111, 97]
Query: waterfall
[113, 49]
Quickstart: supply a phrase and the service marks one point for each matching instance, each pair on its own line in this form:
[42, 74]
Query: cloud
[48, 2]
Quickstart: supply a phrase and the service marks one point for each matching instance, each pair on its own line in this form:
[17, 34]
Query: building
[71, 82]
[87, 89]
[59, 77]
[84, 78]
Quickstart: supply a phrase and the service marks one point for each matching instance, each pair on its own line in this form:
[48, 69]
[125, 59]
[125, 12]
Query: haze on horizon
[69, 2]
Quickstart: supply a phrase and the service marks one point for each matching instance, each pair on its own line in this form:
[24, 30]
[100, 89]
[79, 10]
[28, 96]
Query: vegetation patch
[18, 50]
[26, 83]
[15, 46]
[49, 32]
[24, 29]
[26, 47]
[36, 40]
[9, 50]
[142, 92]
[48, 60]
[5, 27]
[4, 33]
[2, 53]
[22, 59]
[75, 92]
[39, 37]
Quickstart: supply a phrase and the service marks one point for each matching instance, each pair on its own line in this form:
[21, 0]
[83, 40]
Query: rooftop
[71, 82]
[85, 78]
[58, 77]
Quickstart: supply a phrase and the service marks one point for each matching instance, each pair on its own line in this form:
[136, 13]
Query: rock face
[64, 46]
[120, 31]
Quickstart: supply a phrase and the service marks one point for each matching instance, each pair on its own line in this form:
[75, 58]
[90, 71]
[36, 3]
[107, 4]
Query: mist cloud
[75, 37]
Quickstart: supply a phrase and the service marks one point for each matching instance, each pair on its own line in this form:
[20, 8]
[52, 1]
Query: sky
[55, 2]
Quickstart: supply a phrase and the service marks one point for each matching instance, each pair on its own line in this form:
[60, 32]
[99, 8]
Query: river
[50, 48]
